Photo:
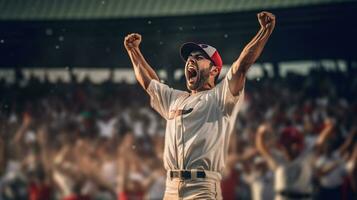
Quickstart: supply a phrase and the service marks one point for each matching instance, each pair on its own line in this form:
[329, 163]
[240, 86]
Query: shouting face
[197, 70]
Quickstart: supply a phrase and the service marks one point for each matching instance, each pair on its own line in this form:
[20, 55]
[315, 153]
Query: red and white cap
[210, 51]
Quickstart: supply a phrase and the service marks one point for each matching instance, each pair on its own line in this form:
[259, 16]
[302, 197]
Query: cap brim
[188, 47]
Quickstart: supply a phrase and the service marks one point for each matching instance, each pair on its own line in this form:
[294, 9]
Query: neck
[206, 86]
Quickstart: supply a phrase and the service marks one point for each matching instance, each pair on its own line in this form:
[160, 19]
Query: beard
[200, 80]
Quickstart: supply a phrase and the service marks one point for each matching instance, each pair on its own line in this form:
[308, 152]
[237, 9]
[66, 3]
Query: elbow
[146, 84]
[143, 81]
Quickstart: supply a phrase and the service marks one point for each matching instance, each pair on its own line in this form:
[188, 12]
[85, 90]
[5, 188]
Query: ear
[214, 71]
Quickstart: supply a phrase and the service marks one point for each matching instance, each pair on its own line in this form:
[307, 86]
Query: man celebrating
[199, 122]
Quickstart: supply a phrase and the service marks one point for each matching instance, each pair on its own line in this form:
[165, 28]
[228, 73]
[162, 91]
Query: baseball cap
[290, 135]
[210, 51]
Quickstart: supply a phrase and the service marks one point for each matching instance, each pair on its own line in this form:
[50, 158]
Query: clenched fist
[266, 19]
[132, 40]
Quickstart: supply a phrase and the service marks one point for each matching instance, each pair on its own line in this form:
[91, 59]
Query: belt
[187, 174]
[295, 195]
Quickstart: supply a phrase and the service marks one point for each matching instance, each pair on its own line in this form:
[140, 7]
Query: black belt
[187, 174]
[295, 195]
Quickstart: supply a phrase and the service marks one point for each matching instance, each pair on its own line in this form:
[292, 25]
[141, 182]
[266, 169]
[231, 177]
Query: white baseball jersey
[296, 175]
[198, 125]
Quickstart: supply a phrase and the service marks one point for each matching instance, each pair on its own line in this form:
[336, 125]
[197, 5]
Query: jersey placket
[183, 140]
[180, 137]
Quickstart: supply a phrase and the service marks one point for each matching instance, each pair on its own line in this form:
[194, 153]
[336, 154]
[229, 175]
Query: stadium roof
[318, 31]
[104, 9]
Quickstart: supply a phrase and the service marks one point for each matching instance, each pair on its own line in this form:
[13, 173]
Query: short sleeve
[162, 96]
[228, 102]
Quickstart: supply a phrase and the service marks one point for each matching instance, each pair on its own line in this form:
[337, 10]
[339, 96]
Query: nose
[191, 60]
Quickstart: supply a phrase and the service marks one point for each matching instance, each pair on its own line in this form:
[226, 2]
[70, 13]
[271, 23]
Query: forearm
[122, 175]
[260, 144]
[347, 143]
[143, 72]
[324, 134]
[323, 171]
[263, 150]
[252, 51]
[142, 61]
[249, 55]
[20, 133]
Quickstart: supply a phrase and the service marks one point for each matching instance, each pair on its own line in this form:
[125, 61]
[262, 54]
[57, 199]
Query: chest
[295, 172]
[191, 107]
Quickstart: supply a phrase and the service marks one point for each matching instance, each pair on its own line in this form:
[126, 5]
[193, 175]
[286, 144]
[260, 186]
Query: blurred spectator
[86, 141]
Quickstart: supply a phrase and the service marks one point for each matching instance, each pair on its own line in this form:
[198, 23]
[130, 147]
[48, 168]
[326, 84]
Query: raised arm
[20, 133]
[143, 72]
[324, 134]
[45, 152]
[349, 141]
[262, 146]
[251, 52]
[352, 161]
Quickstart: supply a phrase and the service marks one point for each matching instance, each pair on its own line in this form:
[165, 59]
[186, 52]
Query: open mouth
[192, 74]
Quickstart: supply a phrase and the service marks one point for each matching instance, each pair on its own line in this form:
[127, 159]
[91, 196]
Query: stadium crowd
[295, 136]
